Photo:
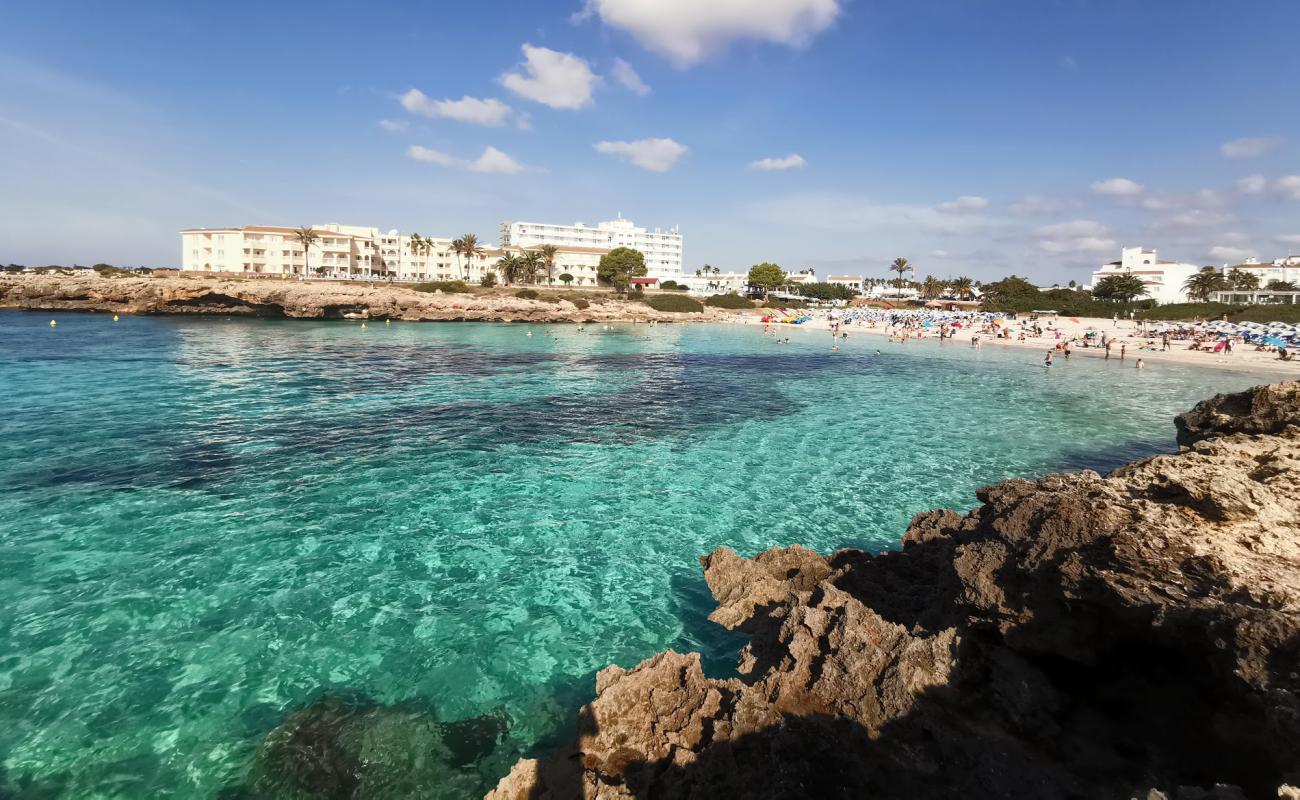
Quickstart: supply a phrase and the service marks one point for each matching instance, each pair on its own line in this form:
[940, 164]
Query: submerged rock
[352, 749]
[1129, 635]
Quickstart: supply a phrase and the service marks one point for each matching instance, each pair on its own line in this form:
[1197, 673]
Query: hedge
[448, 287]
[732, 300]
[527, 294]
[674, 303]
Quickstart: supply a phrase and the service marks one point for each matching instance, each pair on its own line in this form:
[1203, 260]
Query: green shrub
[732, 300]
[527, 294]
[674, 303]
[674, 286]
[582, 303]
[488, 281]
[448, 287]
[774, 302]
[1290, 314]
[1186, 311]
[110, 271]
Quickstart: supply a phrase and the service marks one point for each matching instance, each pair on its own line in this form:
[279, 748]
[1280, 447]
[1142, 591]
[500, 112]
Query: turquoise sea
[207, 523]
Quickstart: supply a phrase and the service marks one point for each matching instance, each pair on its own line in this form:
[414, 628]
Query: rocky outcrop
[312, 300]
[1264, 409]
[1129, 635]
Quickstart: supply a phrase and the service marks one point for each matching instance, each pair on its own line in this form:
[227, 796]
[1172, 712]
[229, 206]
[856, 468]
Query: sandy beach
[1125, 332]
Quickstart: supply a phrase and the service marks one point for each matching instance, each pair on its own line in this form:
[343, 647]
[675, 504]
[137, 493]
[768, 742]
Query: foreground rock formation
[310, 300]
[1076, 636]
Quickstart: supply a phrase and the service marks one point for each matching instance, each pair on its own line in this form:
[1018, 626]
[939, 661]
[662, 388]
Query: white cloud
[689, 31]
[394, 125]
[965, 204]
[1075, 236]
[1083, 244]
[1073, 229]
[1117, 187]
[792, 161]
[1034, 204]
[1232, 254]
[1289, 185]
[1193, 218]
[490, 112]
[555, 79]
[431, 156]
[1289, 238]
[1250, 147]
[625, 75]
[656, 155]
[495, 162]
[939, 253]
[492, 161]
[1252, 184]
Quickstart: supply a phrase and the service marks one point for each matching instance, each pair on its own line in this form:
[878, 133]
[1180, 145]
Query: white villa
[722, 283]
[351, 251]
[662, 248]
[1163, 279]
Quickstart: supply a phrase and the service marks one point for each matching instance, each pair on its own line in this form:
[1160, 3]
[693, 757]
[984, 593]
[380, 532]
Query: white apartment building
[853, 282]
[1279, 269]
[662, 248]
[721, 283]
[1163, 279]
[351, 251]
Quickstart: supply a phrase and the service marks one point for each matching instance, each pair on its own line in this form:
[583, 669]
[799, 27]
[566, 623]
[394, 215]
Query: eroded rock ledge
[1076, 636]
[307, 300]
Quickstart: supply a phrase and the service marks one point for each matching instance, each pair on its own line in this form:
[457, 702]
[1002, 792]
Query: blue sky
[977, 138]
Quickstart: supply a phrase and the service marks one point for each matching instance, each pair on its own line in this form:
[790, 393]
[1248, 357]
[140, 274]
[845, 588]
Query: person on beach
[1123, 346]
[1108, 344]
[1164, 340]
[1047, 362]
[1065, 350]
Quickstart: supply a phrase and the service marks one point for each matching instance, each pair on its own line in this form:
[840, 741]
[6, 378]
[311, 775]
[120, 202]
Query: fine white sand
[1125, 332]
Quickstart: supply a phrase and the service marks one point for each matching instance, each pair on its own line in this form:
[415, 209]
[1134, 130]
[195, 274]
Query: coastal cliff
[311, 300]
[1129, 635]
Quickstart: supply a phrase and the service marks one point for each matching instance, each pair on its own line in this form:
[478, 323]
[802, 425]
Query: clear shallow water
[205, 523]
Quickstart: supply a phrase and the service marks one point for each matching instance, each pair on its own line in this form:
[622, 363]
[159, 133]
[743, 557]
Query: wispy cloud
[655, 155]
[1117, 187]
[1250, 147]
[394, 125]
[472, 110]
[492, 161]
[559, 80]
[689, 31]
[966, 204]
[626, 76]
[792, 161]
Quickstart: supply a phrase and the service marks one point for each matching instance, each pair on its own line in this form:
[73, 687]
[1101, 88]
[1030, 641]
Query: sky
[973, 137]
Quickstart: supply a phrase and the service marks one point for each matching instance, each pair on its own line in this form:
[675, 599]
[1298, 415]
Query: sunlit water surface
[205, 523]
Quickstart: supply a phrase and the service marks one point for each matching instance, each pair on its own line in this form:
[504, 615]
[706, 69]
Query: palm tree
[900, 266]
[1242, 280]
[962, 286]
[472, 250]
[1119, 287]
[306, 237]
[717, 270]
[530, 263]
[549, 252]
[932, 287]
[508, 266]
[698, 272]
[1204, 284]
[1281, 286]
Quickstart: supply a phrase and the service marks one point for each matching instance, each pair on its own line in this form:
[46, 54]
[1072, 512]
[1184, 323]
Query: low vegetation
[732, 300]
[674, 303]
[446, 287]
[673, 286]
[527, 294]
[582, 303]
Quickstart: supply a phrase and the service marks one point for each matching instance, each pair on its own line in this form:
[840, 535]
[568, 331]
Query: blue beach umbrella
[1274, 341]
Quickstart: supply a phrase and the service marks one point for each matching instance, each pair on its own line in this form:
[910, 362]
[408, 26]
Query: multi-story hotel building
[1163, 279]
[662, 248]
[351, 251]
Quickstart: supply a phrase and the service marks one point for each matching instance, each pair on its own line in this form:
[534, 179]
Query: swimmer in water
[1047, 362]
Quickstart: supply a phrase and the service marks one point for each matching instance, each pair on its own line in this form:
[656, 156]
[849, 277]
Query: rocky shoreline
[1079, 635]
[313, 300]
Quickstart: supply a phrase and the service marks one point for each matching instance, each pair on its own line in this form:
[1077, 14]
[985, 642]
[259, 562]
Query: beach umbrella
[1274, 341]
